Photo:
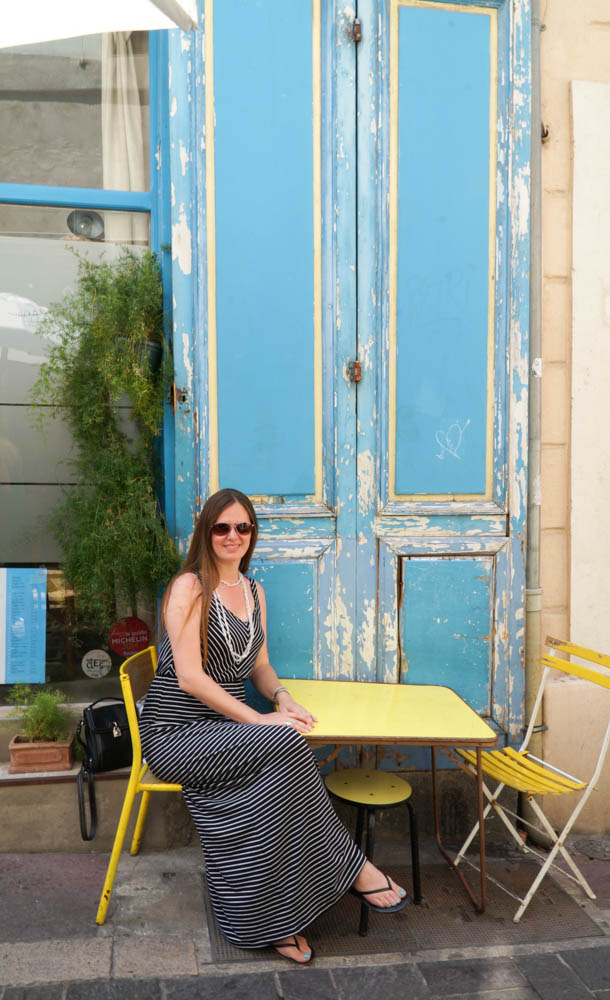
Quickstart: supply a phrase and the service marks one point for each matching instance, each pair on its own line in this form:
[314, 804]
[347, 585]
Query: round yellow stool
[369, 790]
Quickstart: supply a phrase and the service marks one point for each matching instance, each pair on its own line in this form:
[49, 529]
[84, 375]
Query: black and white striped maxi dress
[276, 854]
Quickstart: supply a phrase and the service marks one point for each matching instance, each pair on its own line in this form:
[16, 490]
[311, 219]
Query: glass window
[75, 112]
[37, 268]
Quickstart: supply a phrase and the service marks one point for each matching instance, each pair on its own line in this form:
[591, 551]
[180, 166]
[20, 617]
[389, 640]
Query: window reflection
[75, 112]
[37, 268]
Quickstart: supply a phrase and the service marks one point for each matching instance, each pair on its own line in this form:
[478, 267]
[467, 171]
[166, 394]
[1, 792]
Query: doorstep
[54, 777]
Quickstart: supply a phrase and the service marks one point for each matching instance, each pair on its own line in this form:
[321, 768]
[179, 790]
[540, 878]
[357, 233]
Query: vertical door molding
[519, 275]
[182, 170]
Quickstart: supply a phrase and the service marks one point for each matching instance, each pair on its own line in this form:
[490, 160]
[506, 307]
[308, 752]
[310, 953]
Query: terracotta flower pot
[26, 757]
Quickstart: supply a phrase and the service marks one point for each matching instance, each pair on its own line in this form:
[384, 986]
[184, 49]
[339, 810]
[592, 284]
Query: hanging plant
[109, 525]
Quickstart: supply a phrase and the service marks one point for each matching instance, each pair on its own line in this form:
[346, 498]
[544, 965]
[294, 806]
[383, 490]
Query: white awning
[26, 22]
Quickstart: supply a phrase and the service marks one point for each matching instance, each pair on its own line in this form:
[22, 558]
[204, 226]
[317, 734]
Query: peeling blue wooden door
[442, 323]
[368, 203]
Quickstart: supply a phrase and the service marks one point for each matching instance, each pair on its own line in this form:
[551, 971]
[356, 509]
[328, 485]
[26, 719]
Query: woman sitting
[276, 854]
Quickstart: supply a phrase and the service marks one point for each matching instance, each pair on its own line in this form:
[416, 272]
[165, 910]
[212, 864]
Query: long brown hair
[200, 556]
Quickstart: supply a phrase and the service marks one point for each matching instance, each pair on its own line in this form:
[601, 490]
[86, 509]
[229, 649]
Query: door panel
[264, 250]
[447, 616]
[298, 578]
[442, 217]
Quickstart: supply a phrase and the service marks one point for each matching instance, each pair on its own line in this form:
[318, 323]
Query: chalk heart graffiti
[450, 441]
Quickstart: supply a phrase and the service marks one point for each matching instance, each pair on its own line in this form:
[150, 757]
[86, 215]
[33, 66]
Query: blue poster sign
[23, 620]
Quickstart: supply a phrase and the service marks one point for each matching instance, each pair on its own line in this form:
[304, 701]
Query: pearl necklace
[236, 584]
[224, 625]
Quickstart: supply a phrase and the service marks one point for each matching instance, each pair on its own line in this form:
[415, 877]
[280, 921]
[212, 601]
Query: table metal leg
[414, 840]
[478, 905]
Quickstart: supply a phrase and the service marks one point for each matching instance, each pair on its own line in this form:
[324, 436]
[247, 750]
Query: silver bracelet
[277, 691]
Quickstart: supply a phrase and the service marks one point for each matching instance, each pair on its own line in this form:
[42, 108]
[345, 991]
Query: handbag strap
[86, 834]
[116, 701]
[79, 728]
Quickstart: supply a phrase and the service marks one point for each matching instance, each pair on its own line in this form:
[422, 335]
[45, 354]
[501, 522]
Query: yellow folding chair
[520, 770]
[136, 677]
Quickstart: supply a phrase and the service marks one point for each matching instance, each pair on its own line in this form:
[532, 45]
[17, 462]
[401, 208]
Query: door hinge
[357, 30]
[354, 371]
[177, 395]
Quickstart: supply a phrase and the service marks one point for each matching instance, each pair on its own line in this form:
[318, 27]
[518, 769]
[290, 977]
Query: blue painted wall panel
[447, 624]
[264, 245]
[443, 251]
[289, 590]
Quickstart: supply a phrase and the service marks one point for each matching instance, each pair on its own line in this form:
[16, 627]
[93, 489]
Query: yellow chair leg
[117, 847]
[139, 828]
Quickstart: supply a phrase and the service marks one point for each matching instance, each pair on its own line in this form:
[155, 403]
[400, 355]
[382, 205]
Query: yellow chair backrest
[601, 677]
[136, 676]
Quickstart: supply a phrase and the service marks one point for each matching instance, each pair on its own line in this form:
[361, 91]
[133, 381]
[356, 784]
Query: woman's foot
[295, 949]
[370, 879]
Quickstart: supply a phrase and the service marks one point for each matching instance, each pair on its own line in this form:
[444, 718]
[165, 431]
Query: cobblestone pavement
[155, 944]
[571, 974]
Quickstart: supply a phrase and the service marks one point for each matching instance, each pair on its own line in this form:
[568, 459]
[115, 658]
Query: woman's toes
[294, 948]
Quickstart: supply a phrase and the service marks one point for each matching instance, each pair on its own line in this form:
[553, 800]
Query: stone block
[551, 978]
[148, 957]
[392, 983]
[555, 404]
[591, 964]
[554, 557]
[246, 987]
[556, 319]
[470, 976]
[555, 487]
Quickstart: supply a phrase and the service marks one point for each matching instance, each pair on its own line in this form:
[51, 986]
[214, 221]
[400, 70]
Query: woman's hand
[287, 704]
[303, 722]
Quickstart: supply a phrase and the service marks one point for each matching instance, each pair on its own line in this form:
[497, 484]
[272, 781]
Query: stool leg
[370, 849]
[370, 835]
[360, 810]
[414, 837]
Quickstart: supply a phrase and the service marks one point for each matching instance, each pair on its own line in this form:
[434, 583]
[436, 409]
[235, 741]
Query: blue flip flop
[380, 909]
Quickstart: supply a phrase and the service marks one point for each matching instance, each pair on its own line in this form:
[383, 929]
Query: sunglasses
[222, 528]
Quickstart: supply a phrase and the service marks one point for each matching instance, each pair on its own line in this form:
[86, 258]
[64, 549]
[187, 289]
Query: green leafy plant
[110, 527]
[42, 717]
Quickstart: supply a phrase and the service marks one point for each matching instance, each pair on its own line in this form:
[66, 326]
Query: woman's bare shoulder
[184, 587]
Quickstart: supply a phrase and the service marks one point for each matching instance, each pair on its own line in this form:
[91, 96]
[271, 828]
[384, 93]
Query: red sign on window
[129, 635]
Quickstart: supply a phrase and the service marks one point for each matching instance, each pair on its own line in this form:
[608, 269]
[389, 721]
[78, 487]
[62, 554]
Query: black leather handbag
[103, 733]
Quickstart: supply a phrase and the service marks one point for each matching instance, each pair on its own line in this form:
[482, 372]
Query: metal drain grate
[445, 919]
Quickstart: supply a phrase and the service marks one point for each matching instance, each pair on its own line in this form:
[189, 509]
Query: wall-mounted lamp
[87, 224]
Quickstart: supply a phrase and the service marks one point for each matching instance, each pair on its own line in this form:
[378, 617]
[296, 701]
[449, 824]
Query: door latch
[177, 395]
[357, 30]
[354, 371]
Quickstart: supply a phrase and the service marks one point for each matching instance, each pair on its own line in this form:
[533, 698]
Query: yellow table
[408, 714]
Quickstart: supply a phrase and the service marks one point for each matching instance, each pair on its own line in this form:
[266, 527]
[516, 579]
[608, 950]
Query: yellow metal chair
[136, 676]
[520, 770]
[370, 790]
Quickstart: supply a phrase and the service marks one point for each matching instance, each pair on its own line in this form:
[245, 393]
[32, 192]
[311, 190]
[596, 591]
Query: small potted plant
[44, 742]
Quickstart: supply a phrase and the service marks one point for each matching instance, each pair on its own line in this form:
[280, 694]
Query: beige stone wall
[575, 46]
